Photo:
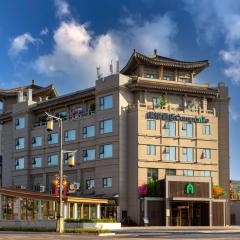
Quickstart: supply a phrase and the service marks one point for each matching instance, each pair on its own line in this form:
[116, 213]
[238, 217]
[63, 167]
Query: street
[135, 236]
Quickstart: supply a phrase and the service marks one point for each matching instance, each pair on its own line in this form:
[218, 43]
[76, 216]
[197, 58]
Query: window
[20, 122]
[151, 150]
[19, 164]
[169, 129]
[52, 160]
[170, 153]
[105, 126]
[156, 102]
[170, 172]
[152, 174]
[187, 130]
[69, 135]
[206, 129]
[187, 154]
[89, 131]
[106, 102]
[205, 173]
[52, 138]
[105, 151]
[36, 141]
[188, 173]
[89, 154]
[66, 155]
[206, 153]
[36, 162]
[90, 183]
[151, 125]
[167, 77]
[107, 182]
[151, 75]
[20, 143]
[62, 115]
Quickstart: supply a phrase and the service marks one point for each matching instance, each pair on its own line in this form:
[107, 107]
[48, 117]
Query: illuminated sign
[189, 188]
[174, 117]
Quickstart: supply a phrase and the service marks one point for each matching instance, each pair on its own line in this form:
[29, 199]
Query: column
[176, 75]
[145, 219]
[64, 210]
[19, 209]
[210, 214]
[75, 216]
[40, 214]
[1, 215]
[167, 213]
[98, 211]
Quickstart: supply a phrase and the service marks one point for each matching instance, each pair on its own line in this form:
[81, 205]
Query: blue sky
[62, 42]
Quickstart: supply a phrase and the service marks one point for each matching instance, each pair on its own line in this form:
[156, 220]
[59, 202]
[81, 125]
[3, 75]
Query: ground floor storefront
[185, 201]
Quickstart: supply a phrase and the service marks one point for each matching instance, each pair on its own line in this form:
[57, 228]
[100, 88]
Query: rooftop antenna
[99, 75]
[111, 68]
[117, 66]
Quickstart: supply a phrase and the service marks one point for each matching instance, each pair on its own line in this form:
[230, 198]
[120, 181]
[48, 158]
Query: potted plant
[218, 191]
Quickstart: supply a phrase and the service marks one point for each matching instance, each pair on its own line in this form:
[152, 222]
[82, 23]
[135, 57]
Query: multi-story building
[150, 121]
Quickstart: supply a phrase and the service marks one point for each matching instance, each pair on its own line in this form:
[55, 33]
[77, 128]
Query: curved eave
[213, 93]
[138, 58]
[64, 100]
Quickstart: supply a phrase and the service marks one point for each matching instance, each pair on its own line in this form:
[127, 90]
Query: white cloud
[77, 52]
[234, 115]
[21, 43]
[44, 31]
[62, 8]
[219, 20]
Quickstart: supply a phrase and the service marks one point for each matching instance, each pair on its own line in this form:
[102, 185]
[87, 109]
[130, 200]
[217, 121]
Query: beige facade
[135, 143]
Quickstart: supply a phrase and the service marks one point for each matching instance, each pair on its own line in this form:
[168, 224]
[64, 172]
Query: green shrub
[86, 230]
[27, 229]
[96, 220]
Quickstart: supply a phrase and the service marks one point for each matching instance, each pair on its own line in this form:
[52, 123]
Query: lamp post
[60, 219]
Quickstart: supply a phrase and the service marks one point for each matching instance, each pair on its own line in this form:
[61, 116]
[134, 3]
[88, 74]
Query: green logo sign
[189, 188]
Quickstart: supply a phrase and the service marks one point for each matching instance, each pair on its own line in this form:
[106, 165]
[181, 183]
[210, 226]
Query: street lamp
[71, 159]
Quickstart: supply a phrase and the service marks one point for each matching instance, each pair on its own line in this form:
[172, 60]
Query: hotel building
[150, 121]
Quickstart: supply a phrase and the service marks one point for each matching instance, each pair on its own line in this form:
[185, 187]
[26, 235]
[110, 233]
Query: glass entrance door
[184, 216]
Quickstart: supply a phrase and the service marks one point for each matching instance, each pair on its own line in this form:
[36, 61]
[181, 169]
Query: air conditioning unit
[42, 188]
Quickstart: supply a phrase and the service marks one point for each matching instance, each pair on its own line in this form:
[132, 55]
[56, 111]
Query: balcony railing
[77, 116]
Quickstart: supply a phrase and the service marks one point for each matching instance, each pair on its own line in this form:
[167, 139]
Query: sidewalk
[192, 229]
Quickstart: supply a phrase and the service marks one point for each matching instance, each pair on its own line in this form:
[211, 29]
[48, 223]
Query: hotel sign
[175, 117]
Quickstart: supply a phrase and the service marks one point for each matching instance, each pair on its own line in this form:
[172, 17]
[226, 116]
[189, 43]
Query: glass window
[206, 129]
[156, 102]
[167, 77]
[151, 125]
[36, 162]
[105, 126]
[52, 138]
[89, 131]
[170, 172]
[187, 130]
[90, 183]
[53, 160]
[62, 115]
[107, 182]
[89, 154]
[106, 102]
[152, 174]
[20, 143]
[151, 75]
[187, 154]
[151, 150]
[106, 151]
[70, 135]
[170, 153]
[36, 141]
[205, 173]
[169, 129]
[19, 164]
[189, 173]
[206, 153]
[20, 122]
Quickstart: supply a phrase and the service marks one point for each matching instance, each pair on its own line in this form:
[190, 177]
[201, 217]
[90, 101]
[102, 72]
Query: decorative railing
[69, 117]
